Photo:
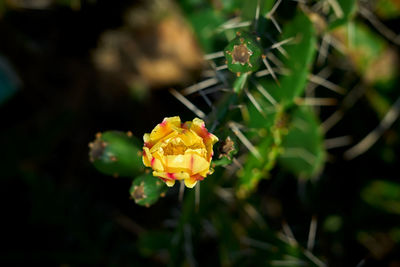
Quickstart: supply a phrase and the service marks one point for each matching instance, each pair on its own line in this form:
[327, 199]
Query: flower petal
[190, 182]
[164, 128]
[209, 139]
[146, 157]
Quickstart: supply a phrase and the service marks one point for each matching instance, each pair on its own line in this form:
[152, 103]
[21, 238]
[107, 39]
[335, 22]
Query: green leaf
[116, 153]
[147, 189]
[266, 139]
[300, 56]
[369, 53]
[240, 83]
[384, 195]
[388, 9]
[249, 8]
[205, 23]
[348, 7]
[303, 148]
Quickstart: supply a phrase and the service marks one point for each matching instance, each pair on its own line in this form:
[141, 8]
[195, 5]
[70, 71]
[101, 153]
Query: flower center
[175, 149]
[178, 147]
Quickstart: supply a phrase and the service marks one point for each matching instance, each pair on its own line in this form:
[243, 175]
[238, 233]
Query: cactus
[116, 153]
[266, 116]
[146, 190]
[243, 54]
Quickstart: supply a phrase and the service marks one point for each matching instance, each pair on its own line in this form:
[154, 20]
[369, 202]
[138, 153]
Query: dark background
[57, 209]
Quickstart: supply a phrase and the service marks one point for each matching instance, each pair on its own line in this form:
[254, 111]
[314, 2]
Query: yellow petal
[171, 176]
[170, 183]
[209, 139]
[146, 137]
[199, 164]
[163, 141]
[190, 182]
[147, 157]
[190, 163]
[190, 138]
[163, 129]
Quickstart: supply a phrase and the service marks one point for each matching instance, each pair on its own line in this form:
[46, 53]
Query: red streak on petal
[164, 123]
[171, 175]
[191, 163]
[148, 145]
[198, 177]
[144, 153]
[152, 161]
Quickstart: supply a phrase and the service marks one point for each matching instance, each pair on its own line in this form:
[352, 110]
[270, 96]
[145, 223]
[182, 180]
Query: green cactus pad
[116, 153]
[243, 54]
[147, 189]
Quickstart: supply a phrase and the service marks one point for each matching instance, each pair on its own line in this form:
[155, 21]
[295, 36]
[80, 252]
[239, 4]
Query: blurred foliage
[282, 194]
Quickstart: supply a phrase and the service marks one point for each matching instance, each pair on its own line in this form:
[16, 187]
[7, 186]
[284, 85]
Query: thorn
[327, 84]
[129, 134]
[254, 102]
[379, 26]
[314, 101]
[187, 103]
[299, 152]
[244, 140]
[288, 233]
[348, 102]
[273, 9]
[222, 67]
[257, 14]
[279, 44]
[255, 215]
[232, 24]
[312, 233]
[276, 24]
[368, 141]
[214, 55]
[337, 142]
[264, 59]
[199, 86]
[264, 92]
[323, 50]
[336, 8]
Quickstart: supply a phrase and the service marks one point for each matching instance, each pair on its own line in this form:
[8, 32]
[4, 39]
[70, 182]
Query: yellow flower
[179, 151]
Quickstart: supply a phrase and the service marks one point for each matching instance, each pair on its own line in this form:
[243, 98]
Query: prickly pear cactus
[266, 83]
[116, 153]
[146, 190]
[243, 54]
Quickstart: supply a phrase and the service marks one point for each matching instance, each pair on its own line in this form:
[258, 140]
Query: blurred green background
[72, 68]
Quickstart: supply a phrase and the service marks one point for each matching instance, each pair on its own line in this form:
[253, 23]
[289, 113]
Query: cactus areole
[243, 54]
